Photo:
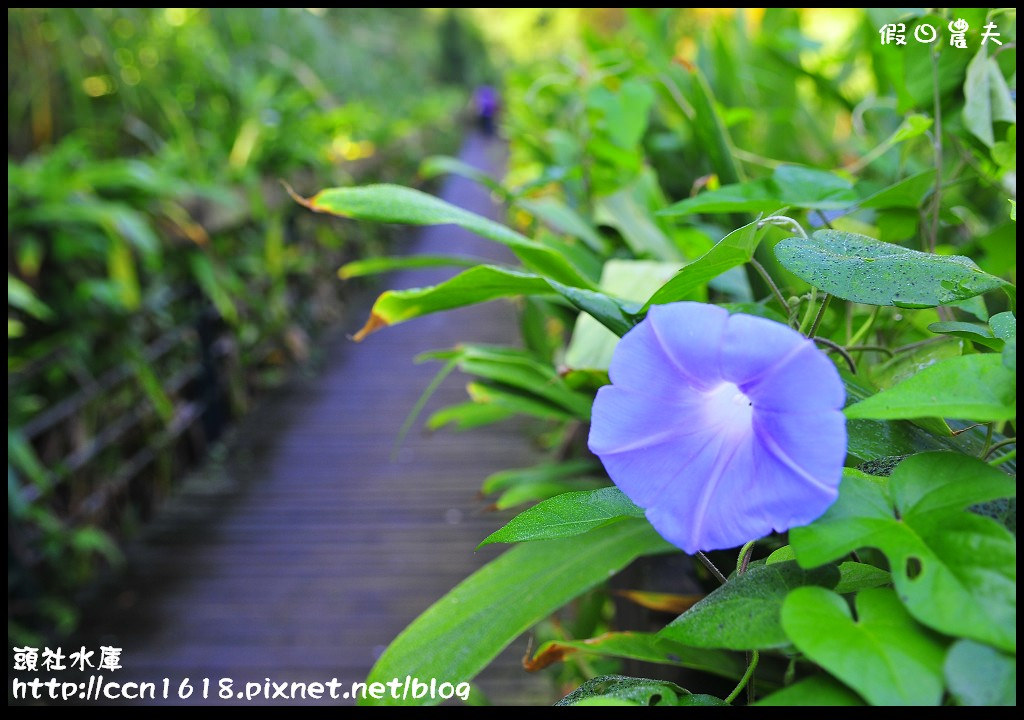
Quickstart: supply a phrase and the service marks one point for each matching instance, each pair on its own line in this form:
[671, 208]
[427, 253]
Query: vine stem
[996, 446]
[754, 657]
[711, 567]
[1003, 458]
[771, 284]
[743, 559]
[839, 349]
[821, 314]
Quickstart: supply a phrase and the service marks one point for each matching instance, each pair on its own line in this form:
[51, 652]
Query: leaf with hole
[954, 570]
[861, 269]
[883, 653]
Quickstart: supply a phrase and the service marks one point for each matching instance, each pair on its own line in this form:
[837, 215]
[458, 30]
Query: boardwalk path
[321, 549]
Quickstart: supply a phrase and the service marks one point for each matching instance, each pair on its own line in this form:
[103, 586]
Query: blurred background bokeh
[159, 277]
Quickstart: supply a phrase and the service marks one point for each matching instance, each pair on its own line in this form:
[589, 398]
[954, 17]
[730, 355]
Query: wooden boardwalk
[307, 550]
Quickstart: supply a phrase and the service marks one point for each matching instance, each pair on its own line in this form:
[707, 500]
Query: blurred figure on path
[485, 100]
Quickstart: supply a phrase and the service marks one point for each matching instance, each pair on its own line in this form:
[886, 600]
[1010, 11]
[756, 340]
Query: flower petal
[804, 382]
[753, 347]
[690, 334]
[642, 363]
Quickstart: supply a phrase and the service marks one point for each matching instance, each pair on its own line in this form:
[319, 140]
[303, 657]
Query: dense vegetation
[799, 169]
[157, 273]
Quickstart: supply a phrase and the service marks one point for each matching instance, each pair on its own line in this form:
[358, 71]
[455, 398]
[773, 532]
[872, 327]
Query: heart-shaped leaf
[980, 675]
[955, 570]
[883, 653]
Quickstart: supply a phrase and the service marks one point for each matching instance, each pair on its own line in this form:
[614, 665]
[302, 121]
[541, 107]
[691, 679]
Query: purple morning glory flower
[723, 427]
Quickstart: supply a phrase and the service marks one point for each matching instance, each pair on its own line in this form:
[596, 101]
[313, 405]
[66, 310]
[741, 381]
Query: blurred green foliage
[145, 150]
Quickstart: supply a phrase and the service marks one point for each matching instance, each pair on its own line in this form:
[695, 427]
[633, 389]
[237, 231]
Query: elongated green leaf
[378, 265]
[987, 97]
[396, 204]
[521, 369]
[975, 332]
[544, 472]
[907, 193]
[624, 212]
[883, 654]
[954, 570]
[463, 631]
[817, 690]
[564, 515]
[862, 269]
[564, 219]
[979, 675]
[743, 614]
[789, 186]
[484, 283]
[540, 491]
[969, 387]
[622, 690]
[646, 647]
[731, 251]
[516, 402]
[468, 415]
[445, 164]
[21, 296]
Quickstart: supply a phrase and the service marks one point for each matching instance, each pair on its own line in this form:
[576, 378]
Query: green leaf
[731, 251]
[540, 491]
[743, 614]
[463, 631]
[564, 219]
[646, 647]
[467, 415]
[516, 402]
[817, 690]
[907, 193]
[396, 204]
[21, 296]
[954, 570]
[622, 690]
[521, 370]
[789, 186]
[856, 576]
[1004, 327]
[445, 164]
[378, 265]
[975, 332]
[882, 654]
[987, 97]
[484, 283]
[969, 387]
[545, 472]
[853, 576]
[565, 515]
[592, 344]
[979, 675]
[623, 212]
[861, 269]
